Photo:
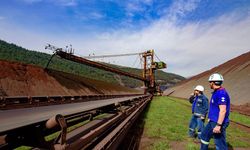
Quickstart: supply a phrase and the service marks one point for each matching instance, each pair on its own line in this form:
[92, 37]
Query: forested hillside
[12, 52]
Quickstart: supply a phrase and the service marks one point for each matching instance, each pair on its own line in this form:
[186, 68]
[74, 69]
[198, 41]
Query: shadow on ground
[133, 138]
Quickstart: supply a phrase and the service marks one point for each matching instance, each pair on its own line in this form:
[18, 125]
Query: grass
[160, 145]
[23, 148]
[167, 119]
[240, 118]
[235, 116]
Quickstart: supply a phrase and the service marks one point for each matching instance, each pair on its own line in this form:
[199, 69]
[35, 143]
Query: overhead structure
[149, 65]
[149, 68]
[75, 121]
[108, 56]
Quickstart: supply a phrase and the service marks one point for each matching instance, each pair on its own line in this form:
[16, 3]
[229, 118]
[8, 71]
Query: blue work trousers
[196, 122]
[219, 138]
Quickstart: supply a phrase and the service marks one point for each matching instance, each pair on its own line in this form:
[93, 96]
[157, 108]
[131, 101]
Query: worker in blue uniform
[218, 115]
[199, 110]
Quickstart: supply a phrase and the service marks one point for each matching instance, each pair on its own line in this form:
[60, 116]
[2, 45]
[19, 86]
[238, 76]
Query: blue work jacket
[199, 105]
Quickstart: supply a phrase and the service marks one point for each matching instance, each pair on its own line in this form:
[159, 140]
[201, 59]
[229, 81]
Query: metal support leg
[60, 141]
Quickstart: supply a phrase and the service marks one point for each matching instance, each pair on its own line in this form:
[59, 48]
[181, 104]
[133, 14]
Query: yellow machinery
[149, 65]
[149, 70]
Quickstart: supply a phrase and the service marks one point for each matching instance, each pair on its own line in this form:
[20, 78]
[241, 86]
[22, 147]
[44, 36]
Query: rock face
[236, 73]
[18, 79]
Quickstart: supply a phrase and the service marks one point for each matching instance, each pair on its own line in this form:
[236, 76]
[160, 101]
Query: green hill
[12, 52]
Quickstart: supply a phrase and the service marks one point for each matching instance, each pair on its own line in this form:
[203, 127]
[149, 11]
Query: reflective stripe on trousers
[204, 142]
[219, 138]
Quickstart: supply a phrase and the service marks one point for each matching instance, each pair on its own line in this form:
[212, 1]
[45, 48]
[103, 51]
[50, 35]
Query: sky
[191, 36]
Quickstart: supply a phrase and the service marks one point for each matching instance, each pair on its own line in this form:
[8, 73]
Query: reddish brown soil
[236, 73]
[2, 139]
[178, 145]
[147, 143]
[230, 66]
[242, 109]
[18, 79]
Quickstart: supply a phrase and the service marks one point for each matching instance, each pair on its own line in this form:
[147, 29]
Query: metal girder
[34, 134]
[14, 102]
[81, 60]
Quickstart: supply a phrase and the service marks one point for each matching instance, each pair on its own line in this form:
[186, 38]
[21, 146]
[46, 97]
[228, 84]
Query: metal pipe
[53, 121]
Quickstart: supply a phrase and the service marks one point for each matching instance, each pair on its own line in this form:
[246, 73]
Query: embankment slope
[236, 73]
[18, 79]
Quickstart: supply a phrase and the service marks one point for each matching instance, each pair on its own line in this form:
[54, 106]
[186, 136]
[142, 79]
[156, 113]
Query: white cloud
[2, 18]
[57, 2]
[66, 2]
[31, 1]
[180, 8]
[136, 6]
[96, 15]
[188, 49]
[90, 16]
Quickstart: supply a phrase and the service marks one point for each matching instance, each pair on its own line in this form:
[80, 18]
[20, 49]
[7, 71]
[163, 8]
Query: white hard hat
[216, 77]
[199, 88]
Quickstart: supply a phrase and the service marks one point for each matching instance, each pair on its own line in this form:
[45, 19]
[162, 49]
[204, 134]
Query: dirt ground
[138, 140]
[236, 73]
[242, 109]
[145, 143]
[17, 79]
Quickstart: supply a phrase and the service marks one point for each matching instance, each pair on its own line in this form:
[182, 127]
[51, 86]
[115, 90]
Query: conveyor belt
[12, 119]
